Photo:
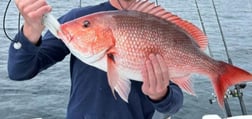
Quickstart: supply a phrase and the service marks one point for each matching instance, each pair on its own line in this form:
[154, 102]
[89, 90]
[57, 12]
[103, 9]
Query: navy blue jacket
[90, 95]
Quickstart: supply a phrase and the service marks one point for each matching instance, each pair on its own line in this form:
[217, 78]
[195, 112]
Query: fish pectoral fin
[185, 84]
[122, 86]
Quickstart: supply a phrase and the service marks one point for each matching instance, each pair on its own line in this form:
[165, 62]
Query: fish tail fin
[230, 76]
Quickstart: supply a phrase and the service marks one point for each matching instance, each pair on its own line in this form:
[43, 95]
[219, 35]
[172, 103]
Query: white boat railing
[214, 116]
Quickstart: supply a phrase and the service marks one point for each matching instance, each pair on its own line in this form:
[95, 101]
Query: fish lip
[95, 57]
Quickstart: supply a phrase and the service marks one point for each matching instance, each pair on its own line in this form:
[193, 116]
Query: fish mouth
[97, 56]
[90, 59]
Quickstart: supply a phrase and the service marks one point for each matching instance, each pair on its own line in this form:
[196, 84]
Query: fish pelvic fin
[230, 76]
[192, 31]
[116, 83]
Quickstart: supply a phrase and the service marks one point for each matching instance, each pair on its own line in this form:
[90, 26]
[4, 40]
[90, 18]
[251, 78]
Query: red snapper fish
[119, 42]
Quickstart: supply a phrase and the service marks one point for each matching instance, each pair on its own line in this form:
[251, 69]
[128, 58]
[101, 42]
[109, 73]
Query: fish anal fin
[185, 84]
[116, 83]
[150, 8]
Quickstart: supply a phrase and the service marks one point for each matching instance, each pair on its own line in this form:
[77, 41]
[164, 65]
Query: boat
[213, 116]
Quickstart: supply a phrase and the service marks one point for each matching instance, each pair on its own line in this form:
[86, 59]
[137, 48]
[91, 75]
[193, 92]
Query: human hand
[156, 78]
[33, 11]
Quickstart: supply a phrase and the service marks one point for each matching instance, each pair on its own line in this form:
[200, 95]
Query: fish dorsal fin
[150, 8]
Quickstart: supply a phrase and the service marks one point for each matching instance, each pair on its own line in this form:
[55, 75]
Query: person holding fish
[91, 96]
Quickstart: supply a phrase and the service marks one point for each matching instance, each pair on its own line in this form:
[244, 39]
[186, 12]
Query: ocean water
[46, 95]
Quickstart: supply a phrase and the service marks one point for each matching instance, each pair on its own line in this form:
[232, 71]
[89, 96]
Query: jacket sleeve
[171, 103]
[30, 59]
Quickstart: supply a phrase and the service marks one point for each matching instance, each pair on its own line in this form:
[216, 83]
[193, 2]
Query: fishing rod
[237, 90]
[80, 3]
[156, 2]
[226, 104]
[202, 25]
[227, 108]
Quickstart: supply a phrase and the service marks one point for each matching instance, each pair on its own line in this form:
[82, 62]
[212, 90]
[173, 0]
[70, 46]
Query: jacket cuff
[171, 103]
[25, 43]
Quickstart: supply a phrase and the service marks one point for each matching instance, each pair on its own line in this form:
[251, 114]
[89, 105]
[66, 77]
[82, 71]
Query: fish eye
[86, 24]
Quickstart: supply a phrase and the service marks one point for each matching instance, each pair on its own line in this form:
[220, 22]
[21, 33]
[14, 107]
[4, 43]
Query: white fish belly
[126, 73]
